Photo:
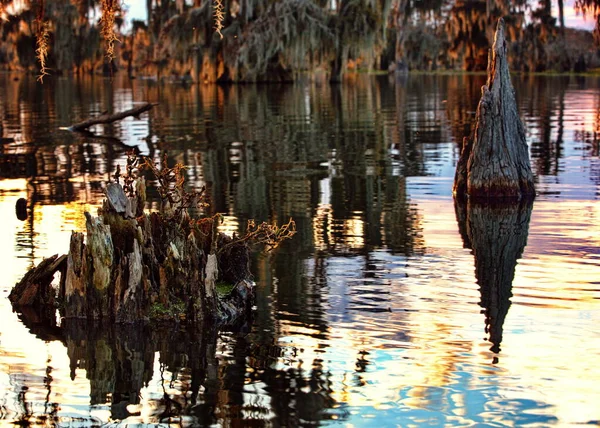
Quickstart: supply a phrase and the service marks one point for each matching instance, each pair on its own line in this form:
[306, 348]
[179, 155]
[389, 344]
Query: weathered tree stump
[497, 234]
[35, 287]
[135, 266]
[494, 162]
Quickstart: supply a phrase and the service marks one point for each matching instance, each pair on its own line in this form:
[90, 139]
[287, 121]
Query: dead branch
[110, 118]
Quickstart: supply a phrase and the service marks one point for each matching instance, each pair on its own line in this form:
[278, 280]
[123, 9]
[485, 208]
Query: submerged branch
[109, 118]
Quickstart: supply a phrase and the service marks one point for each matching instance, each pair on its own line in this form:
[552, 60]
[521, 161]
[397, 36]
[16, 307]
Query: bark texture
[35, 287]
[494, 162]
[134, 266]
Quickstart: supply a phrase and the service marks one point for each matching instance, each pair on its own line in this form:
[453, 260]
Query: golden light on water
[25, 359]
[13, 185]
[322, 233]
[553, 280]
[367, 323]
[445, 344]
[343, 234]
[229, 225]
[435, 311]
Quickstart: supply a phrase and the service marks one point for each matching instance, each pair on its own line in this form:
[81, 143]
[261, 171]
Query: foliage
[591, 7]
[224, 288]
[250, 40]
[359, 26]
[43, 36]
[268, 235]
[109, 9]
[171, 187]
[131, 171]
[173, 311]
[176, 201]
[423, 47]
[288, 31]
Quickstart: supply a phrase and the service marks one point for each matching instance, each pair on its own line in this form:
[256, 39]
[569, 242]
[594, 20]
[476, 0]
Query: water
[388, 308]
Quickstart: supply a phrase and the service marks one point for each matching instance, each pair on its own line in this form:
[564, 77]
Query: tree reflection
[336, 159]
[497, 234]
[205, 377]
[545, 104]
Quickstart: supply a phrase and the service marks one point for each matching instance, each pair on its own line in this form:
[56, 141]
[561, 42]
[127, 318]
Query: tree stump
[165, 265]
[35, 287]
[494, 162]
[135, 266]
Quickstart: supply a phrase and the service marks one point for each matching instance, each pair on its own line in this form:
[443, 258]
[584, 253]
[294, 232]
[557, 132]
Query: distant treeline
[275, 40]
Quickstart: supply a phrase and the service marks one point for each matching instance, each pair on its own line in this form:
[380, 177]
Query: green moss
[224, 288]
[169, 312]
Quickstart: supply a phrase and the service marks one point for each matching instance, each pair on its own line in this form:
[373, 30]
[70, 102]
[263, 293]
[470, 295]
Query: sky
[137, 10]
[572, 18]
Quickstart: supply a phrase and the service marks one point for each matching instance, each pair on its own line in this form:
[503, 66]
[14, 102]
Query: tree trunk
[494, 161]
[401, 22]
[561, 17]
[337, 68]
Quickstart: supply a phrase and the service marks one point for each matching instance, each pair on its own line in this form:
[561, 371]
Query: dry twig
[171, 186]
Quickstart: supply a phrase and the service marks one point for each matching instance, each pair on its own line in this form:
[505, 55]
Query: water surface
[391, 306]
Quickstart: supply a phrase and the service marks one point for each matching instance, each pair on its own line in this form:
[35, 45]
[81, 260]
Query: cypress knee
[494, 162]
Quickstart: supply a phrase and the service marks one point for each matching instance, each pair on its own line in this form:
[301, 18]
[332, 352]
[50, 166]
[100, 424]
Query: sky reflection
[378, 313]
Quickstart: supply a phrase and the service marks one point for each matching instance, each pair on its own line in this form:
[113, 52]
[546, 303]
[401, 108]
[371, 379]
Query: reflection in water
[497, 234]
[371, 314]
[547, 108]
[195, 383]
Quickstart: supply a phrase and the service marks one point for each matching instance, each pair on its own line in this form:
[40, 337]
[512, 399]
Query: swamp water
[390, 307]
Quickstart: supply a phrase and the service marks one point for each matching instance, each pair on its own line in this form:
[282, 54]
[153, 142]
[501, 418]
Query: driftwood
[109, 118]
[494, 161]
[135, 266]
[35, 288]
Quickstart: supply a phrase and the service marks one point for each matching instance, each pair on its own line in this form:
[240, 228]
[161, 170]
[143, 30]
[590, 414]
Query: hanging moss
[284, 36]
[173, 311]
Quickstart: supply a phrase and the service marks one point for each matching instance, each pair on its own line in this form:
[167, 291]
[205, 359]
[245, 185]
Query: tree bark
[494, 161]
[110, 118]
[135, 267]
[35, 287]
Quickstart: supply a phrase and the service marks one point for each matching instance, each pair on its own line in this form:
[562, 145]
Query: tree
[494, 162]
[275, 40]
[60, 35]
[592, 7]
